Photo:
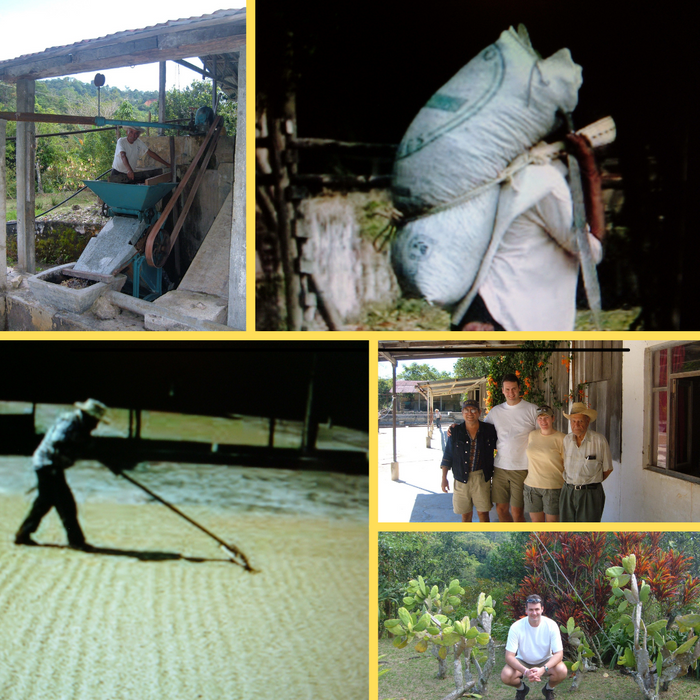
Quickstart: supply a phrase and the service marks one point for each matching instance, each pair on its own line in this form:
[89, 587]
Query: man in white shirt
[514, 420]
[126, 156]
[587, 464]
[534, 651]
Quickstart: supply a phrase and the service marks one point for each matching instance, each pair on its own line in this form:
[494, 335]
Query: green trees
[573, 575]
[423, 372]
[469, 367]
[183, 104]
[62, 162]
[626, 600]
[440, 556]
[385, 387]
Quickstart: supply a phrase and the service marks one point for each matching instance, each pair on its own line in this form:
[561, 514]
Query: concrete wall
[635, 494]
[343, 261]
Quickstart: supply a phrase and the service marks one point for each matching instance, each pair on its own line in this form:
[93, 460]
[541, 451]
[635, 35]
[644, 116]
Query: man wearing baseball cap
[469, 453]
[59, 450]
[587, 463]
[127, 154]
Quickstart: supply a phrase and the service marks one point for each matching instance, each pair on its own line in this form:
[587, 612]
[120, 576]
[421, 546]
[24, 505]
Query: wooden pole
[429, 416]
[229, 548]
[237, 255]
[26, 148]
[292, 283]
[161, 95]
[3, 209]
[394, 464]
[308, 440]
[213, 84]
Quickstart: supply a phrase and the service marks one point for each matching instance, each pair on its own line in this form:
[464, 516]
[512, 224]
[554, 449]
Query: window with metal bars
[673, 402]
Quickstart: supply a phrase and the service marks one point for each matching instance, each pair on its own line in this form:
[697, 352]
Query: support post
[394, 464]
[213, 83]
[161, 96]
[26, 150]
[3, 209]
[429, 417]
[310, 434]
[237, 260]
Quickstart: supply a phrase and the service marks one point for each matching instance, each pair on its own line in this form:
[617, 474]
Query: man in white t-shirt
[534, 651]
[514, 421]
[127, 154]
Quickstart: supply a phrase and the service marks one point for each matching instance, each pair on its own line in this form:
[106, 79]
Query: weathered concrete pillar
[3, 211]
[26, 149]
[237, 261]
[161, 96]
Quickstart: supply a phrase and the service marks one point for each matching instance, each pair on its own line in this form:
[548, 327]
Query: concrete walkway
[416, 497]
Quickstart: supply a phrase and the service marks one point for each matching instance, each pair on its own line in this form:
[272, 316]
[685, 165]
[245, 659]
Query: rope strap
[398, 220]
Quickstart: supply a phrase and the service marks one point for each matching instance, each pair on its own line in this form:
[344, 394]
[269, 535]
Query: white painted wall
[634, 494]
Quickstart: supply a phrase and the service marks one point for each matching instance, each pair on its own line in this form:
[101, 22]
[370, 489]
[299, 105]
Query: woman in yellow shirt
[545, 465]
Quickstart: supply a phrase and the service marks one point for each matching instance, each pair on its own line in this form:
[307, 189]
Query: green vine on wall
[530, 364]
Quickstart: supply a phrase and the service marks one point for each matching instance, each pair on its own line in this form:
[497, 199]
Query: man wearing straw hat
[57, 451]
[128, 152]
[587, 463]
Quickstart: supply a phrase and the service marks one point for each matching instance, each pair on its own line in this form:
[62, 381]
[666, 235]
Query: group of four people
[517, 460]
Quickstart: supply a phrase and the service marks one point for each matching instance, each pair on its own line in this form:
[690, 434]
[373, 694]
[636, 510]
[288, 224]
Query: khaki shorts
[508, 486]
[476, 490]
[539, 665]
[541, 500]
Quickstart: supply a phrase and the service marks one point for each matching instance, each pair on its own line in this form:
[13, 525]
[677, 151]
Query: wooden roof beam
[194, 41]
[228, 80]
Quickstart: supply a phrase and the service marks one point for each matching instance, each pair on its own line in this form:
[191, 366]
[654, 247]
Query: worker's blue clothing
[57, 451]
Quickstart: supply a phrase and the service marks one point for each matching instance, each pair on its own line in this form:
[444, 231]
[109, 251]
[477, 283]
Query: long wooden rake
[232, 552]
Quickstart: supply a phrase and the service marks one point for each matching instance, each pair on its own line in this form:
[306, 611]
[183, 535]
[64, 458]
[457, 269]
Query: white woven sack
[495, 108]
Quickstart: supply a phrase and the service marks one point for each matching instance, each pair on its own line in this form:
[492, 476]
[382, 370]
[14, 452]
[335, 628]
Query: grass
[46, 201]
[407, 315]
[412, 676]
[615, 320]
[419, 315]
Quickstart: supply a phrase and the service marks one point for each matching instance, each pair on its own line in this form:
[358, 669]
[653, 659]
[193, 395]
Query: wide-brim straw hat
[93, 408]
[581, 409]
[135, 128]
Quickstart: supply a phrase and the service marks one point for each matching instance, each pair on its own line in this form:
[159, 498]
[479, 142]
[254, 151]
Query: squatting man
[534, 652]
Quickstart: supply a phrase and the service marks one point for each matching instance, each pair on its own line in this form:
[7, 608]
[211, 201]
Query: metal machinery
[135, 235]
[123, 243]
[116, 246]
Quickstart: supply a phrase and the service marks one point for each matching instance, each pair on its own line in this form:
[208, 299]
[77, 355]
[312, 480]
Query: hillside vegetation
[62, 162]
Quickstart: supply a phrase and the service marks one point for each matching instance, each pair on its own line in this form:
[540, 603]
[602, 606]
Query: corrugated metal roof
[406, 386]
[219, 14]
[226, 66]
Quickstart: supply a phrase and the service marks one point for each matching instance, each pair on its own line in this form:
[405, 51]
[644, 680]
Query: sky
[31, 26]
[442, 364]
